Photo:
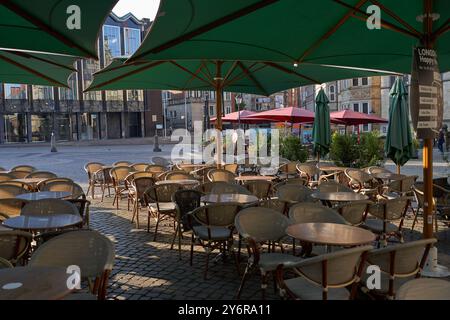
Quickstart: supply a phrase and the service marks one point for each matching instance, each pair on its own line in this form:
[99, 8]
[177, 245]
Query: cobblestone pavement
[145, 269]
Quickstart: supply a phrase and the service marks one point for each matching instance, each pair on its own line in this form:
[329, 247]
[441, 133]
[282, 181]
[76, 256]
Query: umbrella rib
[385, 24]
[106, 70]
[37, 73]
[281, 68]
[397, 18]
[42, 25]
[252, 78]
[230, 71]
[146, 67]
[242, 75]
[442, 29]
[195, 75]
[29, 56]
[190, 72]
[331, 31]
[208, 27]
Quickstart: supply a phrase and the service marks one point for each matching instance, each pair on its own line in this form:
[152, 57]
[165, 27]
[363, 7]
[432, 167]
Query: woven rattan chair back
[19, 174]
[314, 213]
[389, 210]
[179, 175]
[26, 168]
[5, 264]
[155, 168]
[216, 215]
[93, 167]
[331, 186]
[216, 175]
[75, 190]
[260, 189]
[6, 176]
[122, 164]
[139, 166]
[41, 174]
[14, 245]
[43, 183]
[293, 193]
[354, 212]
[11, 207]
[261, 224]
[11, 191]
[160, 161]
[232, 167]
[186, 201]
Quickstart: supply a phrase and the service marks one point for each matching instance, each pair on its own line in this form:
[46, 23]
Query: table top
[43, 195]
[331, 168]
[255, 178]
[339, 196]
[229, 198]
[33, 283]
[43, 222]
[182, 182]
[30, 180]
[330, 234]
[388, 176]
[424, 289]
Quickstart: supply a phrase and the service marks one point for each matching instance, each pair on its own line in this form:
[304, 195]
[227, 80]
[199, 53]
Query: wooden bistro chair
[119, 175]
[26, 168]
[137, 191]
[14, 246]
[94, 172]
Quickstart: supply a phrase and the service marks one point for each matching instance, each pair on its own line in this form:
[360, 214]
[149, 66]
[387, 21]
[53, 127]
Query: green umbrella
[57, 26]
[247, 30]
[399, 145]
[321, 130]
[35, 68]
[262, 78]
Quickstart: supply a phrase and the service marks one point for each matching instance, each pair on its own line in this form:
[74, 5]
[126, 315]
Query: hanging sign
[426, 93]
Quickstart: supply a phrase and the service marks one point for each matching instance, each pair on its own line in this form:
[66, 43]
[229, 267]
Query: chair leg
[137, 215]
[180, 235]
[192, 249]
[103, 191]
[173, 239]
[243, 280]
[148, 221]
[89, 188]
[205, 276]
[263, 285]
[158, 218]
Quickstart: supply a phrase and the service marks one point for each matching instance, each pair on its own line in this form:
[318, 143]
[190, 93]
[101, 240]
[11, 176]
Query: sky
[140, 8]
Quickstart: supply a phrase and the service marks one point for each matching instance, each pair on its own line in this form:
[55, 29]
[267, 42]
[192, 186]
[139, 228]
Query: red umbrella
[234, 116]
[290, 114]
[353, 118]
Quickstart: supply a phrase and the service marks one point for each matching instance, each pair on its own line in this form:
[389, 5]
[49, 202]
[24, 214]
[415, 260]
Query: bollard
[156, 147]
[53, 143]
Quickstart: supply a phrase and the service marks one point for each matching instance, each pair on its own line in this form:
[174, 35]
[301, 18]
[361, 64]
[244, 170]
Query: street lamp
[206, 111]
[239, 99]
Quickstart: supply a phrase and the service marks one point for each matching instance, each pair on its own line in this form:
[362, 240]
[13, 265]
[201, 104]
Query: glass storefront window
[15, 128]
[114, 95]
[63, 121]
[89, 68]
[132, 40]
[42, 93]
[41, 127]
[15, 91]
[135, 95]
[111, 43]
[89, 128]
[72, 93]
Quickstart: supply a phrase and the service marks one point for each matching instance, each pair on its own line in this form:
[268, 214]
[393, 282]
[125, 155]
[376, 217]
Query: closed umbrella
[399, 145]
[321, 129]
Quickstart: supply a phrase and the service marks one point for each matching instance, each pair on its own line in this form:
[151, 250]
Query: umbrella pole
[398, 169]
[219, 91]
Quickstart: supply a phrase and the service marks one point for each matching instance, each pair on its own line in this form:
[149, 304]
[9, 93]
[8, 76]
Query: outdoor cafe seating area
[313, 228]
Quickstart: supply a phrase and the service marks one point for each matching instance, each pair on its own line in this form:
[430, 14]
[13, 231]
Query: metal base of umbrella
[432, 269]
[156, 147]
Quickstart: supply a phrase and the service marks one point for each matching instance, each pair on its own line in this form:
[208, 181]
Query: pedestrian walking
[441, 140]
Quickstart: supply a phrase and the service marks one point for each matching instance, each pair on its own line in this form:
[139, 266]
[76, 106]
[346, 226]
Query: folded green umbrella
[57, 26]
[35, 68]
[399, 145]
[321, 128]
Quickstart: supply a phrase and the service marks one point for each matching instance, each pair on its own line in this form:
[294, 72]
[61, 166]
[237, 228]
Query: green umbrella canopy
[321, 129]
[295, 31]
[43, 25]
[399, 144]
[245, 77]
[35, 68]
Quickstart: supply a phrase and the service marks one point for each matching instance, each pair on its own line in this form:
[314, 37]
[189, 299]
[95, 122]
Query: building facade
[31, 113]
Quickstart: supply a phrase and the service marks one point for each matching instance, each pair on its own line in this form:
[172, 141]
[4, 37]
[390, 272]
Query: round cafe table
[43, 195]
[229, 198]
[339, 196]
[388, 176]
[255, 178]
[330, 234]
[43, 222]
[424, 289]
[33, 283]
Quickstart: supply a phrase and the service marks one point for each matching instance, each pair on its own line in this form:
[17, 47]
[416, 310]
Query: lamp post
[206, 112]
[238, 104]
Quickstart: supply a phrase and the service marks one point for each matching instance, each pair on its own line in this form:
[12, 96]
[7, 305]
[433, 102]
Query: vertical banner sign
[426, 93]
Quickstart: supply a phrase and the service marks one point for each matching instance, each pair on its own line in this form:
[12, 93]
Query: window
[72, 92]
[365, 81]
[132, 40]
[15, 127]
[111, 43]
[332, 94]
[211, 110]
[15, 91]
[114, 95]
[135, 95]
[227, 109]
[355, 82]
[42, 93]
[356, 107]
[89, 67]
